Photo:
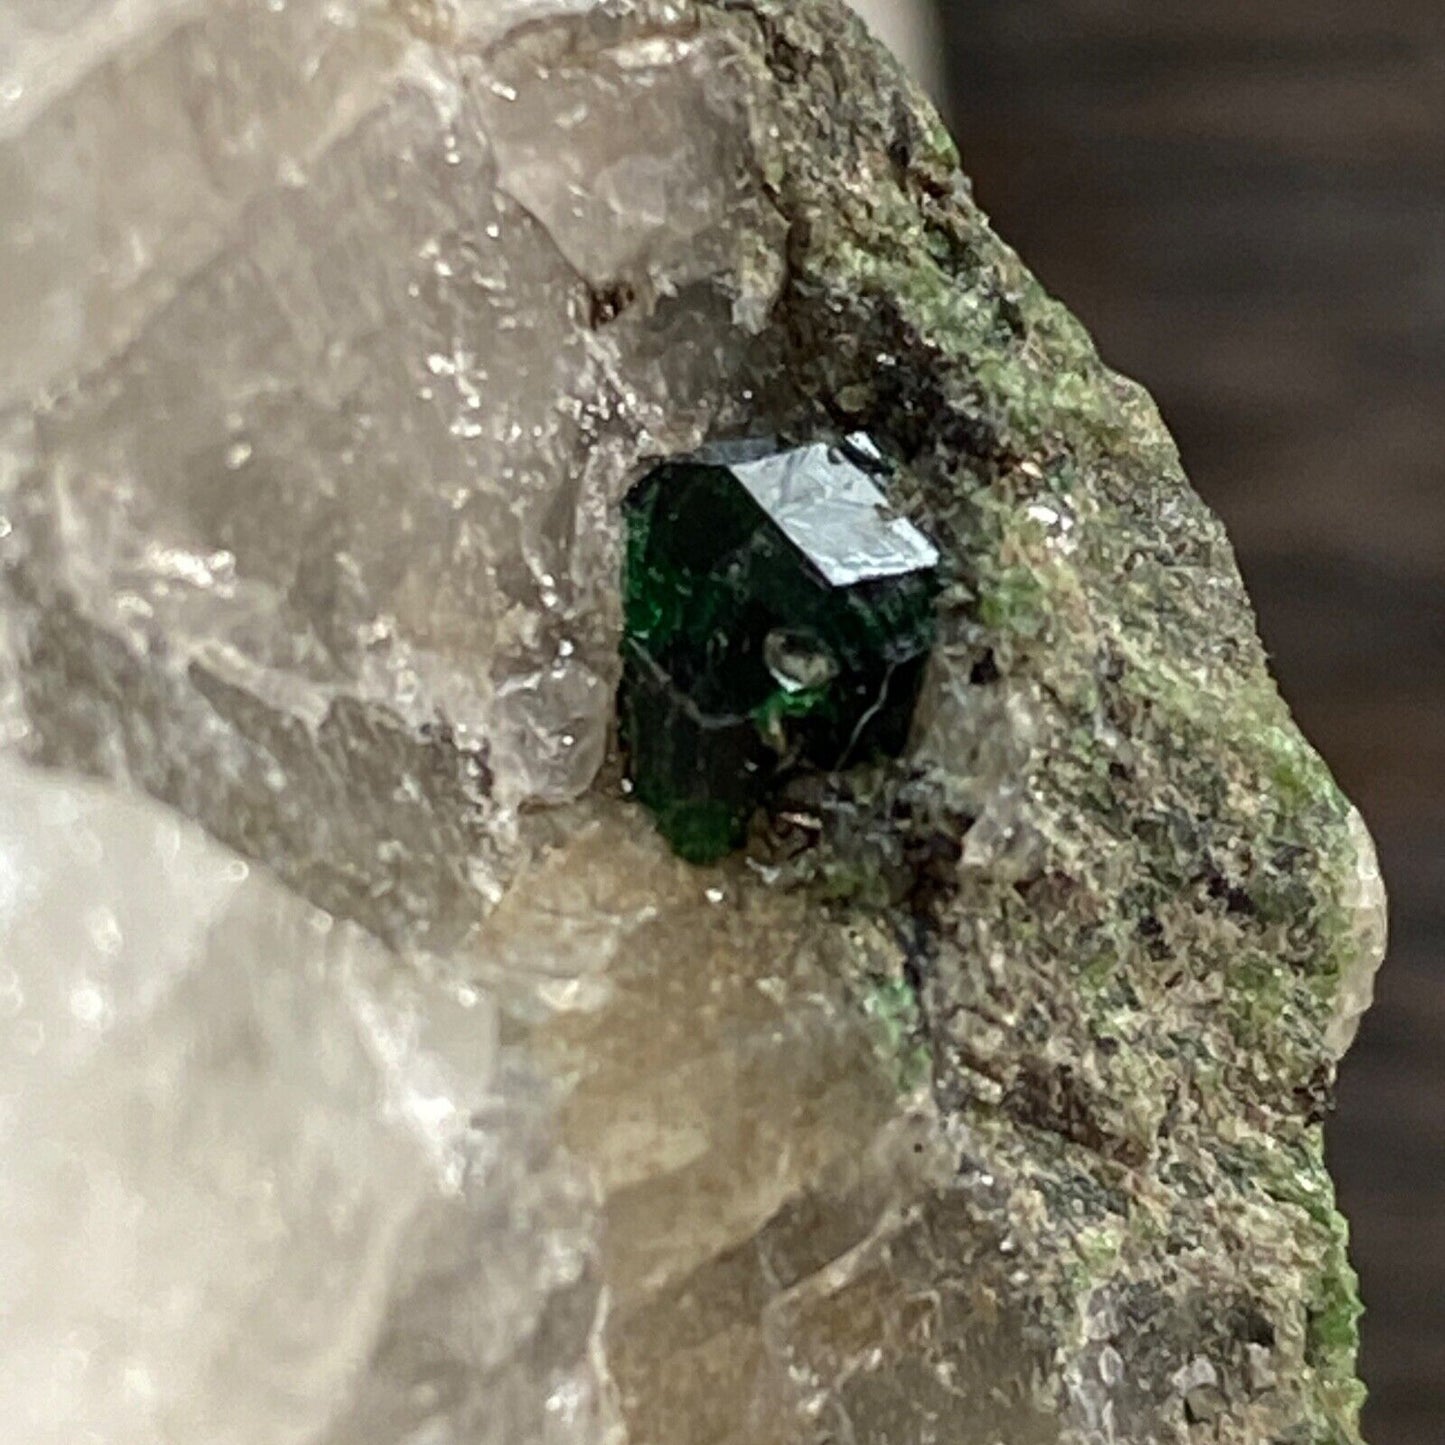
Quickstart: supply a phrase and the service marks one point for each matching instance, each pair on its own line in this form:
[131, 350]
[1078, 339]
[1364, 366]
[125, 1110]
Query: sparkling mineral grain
[373, 1071]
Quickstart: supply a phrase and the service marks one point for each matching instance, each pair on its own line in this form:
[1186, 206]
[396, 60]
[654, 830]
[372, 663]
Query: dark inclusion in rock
[779, 617]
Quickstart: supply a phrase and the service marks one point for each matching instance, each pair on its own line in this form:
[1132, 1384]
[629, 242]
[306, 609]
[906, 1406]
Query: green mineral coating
[893, 1007]
[1132, 974]
[708, 726]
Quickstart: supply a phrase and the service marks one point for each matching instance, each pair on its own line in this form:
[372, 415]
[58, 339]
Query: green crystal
[778, 617]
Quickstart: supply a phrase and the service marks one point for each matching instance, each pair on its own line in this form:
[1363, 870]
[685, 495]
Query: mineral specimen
[432, 1098]
[776, 615]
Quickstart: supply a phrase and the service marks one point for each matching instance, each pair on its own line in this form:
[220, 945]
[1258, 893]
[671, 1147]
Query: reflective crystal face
[829, 508]
[778, 616]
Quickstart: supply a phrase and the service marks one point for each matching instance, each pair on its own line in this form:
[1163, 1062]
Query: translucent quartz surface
[261, 1183]
[348, 427]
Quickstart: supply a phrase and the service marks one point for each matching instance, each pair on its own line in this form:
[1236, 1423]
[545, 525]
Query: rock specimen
[975, 1098]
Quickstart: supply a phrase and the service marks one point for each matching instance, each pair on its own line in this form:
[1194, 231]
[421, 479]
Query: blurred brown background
[1245, 200]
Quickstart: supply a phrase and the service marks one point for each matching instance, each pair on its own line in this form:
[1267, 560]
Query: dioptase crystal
[779, 615]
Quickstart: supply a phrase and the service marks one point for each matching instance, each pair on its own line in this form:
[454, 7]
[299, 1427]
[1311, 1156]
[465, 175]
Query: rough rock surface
[978, 1101]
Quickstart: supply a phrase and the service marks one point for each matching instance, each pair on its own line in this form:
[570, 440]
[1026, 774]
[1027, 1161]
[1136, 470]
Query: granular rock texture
[976, 1099]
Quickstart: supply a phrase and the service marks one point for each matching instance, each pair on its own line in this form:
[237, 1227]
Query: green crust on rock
[1128, 978]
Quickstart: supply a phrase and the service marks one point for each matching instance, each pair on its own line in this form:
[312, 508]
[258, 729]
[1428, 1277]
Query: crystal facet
[834, 514]
[778, 616]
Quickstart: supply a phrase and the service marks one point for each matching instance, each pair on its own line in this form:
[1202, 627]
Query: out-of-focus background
[1246, 204]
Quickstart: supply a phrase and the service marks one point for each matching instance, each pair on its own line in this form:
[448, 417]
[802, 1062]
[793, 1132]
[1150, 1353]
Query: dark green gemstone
[778, 617]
